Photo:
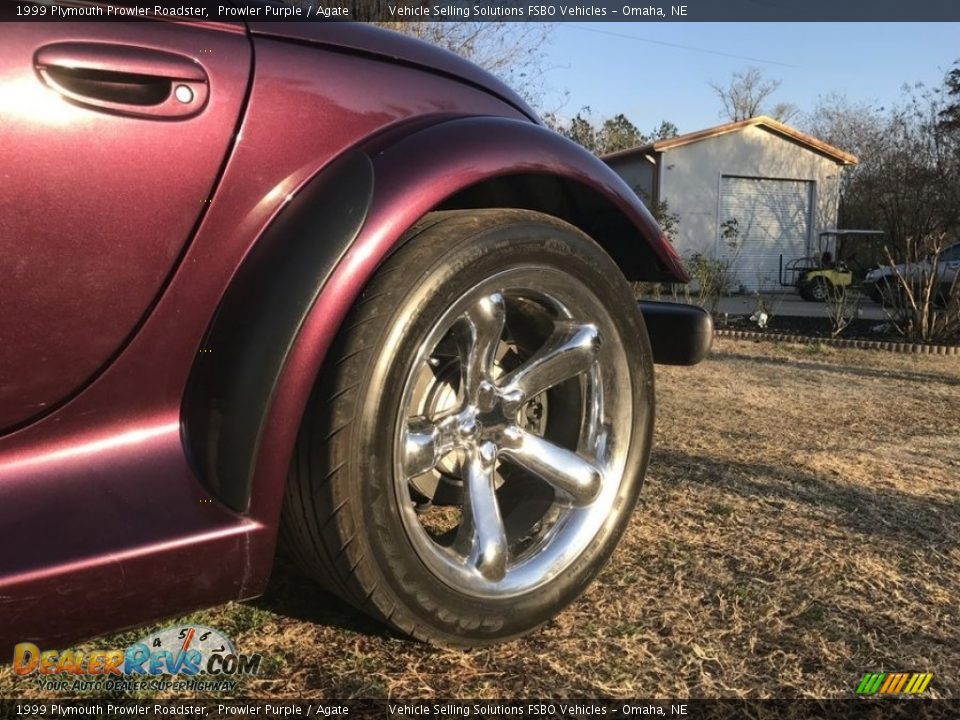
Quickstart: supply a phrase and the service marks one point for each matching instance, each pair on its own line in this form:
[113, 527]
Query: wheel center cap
[497, 408]
[470, 428]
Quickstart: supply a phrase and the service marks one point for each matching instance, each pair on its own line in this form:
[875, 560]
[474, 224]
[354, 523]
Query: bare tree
[784, 112]
[925, 296]
[908, 180]
[857, 127]
[842, 307]
[949, 116]
[908, 185]
[513, 51]
[743, 97]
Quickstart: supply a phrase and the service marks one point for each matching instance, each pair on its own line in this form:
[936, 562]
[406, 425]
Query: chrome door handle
[125, 80]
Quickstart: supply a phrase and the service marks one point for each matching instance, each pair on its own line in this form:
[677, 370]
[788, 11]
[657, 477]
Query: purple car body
[153, 171]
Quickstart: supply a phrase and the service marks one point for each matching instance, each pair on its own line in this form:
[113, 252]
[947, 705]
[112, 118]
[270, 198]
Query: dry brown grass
[799, 527]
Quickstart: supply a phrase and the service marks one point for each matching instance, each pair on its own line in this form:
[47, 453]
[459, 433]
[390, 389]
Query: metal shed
[780, 185]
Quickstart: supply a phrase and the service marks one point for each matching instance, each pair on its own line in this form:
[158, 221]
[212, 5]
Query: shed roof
[762, 121]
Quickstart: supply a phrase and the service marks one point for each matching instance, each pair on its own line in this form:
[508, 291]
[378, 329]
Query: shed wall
[690, 180]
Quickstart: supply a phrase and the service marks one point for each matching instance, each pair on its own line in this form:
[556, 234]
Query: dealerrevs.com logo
[189, 651]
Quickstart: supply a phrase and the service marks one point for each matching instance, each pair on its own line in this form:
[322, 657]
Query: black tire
[346, 518]
[818, 290]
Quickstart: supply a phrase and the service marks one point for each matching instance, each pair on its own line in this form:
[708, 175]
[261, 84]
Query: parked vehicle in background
[838, 262]
[884, 284]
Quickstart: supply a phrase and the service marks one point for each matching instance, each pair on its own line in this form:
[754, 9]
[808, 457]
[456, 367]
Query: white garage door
[773, 219]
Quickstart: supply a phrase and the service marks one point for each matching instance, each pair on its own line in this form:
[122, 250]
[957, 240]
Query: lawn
[799, 527]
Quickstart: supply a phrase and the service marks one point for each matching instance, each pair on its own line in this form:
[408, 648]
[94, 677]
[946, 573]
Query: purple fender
[470, 162]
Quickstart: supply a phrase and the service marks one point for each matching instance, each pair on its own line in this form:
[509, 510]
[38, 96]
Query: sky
[660, 71]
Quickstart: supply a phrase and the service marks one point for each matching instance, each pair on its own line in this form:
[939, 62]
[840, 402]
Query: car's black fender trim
[679, 334]
[276, 299]
[258, 320]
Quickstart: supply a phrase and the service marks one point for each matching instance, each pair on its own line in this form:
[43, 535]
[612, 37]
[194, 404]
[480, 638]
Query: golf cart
[842, 256]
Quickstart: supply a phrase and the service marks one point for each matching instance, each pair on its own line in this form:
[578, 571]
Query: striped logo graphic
[894, 683]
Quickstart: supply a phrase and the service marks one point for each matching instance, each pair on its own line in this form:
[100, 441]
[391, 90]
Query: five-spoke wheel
[476, 444]
[503, 480]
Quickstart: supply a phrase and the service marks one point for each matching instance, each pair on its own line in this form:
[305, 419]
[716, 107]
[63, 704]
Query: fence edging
[883, 345]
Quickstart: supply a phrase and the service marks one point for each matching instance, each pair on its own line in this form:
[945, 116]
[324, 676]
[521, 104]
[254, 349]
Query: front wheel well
[575, 203]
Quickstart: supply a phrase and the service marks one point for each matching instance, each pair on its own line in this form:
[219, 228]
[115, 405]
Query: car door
[112, 138]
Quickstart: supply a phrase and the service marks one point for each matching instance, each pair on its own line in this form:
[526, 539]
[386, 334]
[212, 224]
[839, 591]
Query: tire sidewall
[449, 273]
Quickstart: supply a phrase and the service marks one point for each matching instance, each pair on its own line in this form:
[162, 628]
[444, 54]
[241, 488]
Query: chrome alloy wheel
[513, 431]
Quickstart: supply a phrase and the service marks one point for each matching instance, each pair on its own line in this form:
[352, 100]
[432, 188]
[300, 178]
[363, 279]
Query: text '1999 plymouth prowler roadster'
[318, 283]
